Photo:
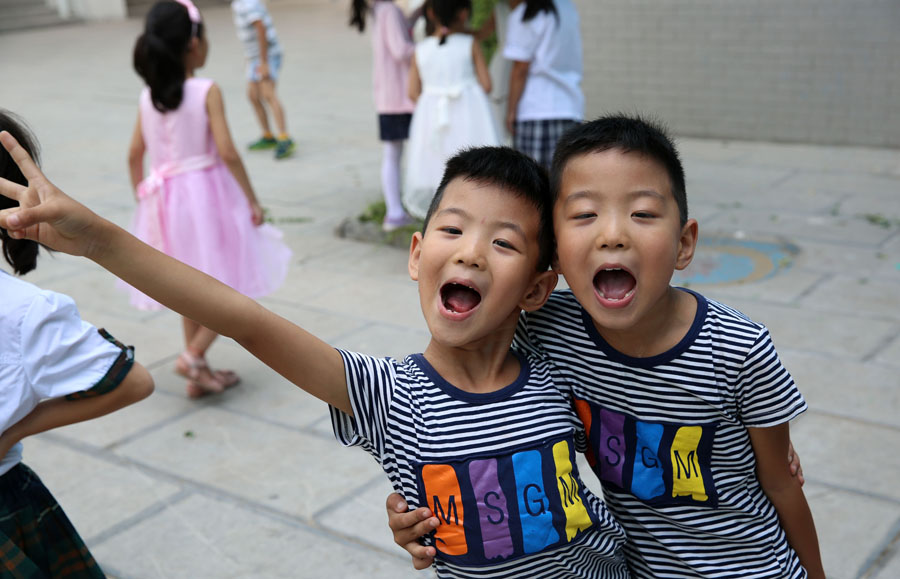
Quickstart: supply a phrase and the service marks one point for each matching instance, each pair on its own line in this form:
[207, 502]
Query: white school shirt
[46, 351]
[551, 43]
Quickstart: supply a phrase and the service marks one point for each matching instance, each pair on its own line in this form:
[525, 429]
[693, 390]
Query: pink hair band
[193, 13]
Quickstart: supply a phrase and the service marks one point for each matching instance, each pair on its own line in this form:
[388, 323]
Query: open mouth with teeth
[614, 284]
[459, 299]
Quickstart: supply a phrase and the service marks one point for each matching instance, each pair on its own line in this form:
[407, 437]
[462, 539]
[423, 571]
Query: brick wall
[818, 71]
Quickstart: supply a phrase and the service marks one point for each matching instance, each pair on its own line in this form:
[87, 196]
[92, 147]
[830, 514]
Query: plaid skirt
[36, 538]
[537, 139]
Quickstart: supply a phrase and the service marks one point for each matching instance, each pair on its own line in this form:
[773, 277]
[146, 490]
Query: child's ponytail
[358, 9]
[159, 53]
[21, 254]
[445, 13]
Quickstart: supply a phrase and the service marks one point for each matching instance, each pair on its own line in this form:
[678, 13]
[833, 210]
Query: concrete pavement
[252, 484]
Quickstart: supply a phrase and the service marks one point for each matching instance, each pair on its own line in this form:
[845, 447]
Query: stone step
[14, 4]
[26, 14]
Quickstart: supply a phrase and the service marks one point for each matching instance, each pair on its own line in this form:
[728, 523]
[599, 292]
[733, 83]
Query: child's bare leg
[197, 339]
[192, 362]
[253, 93]
[270, 97]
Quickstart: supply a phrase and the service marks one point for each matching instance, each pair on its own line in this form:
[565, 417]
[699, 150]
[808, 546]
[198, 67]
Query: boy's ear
[542, 286]
[415, 252]
[687, 243]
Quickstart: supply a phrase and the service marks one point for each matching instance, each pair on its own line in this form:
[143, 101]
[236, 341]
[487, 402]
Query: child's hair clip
[193, 12]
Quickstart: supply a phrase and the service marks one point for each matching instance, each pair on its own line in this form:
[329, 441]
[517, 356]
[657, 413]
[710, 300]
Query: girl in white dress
[449, 81]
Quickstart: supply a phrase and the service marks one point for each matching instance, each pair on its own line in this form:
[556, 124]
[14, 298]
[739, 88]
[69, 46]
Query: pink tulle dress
[192, 208]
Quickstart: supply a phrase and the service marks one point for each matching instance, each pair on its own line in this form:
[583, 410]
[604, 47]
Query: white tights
[390, 178]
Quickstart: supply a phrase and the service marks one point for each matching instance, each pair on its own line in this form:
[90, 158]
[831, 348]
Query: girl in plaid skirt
[55, 369]
[543, 41]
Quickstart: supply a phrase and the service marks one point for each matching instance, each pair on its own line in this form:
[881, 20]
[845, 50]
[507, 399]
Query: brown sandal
[227, 377]
[200, 383]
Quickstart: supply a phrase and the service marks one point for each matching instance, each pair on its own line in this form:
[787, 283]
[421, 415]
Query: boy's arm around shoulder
[770, 444]
[49, 216]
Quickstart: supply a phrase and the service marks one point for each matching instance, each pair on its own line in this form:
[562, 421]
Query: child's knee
[267, 92]
[253, 93]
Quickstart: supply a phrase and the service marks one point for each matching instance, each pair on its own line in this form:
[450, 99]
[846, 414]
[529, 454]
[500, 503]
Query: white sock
[390, 178]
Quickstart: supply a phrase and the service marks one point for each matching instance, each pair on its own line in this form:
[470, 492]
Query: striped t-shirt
[667, 437]
[245, 14]
[498, 468]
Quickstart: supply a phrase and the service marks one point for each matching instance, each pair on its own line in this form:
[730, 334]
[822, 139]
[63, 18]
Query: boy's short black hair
[512, 171]
[633, 134]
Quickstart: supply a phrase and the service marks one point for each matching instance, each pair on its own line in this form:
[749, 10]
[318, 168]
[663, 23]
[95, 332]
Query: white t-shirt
[497, 468]
[551, 43]
[47, 351]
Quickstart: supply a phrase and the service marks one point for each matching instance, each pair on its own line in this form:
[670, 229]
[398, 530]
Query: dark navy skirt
[394, 127]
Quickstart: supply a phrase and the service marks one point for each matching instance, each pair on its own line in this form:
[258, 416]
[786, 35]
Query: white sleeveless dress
[452, 113]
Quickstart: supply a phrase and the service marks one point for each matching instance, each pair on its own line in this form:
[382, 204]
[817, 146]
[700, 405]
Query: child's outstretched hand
[45, 214]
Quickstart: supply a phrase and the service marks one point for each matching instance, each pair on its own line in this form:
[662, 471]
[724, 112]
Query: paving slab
[852, 519]
[200, 536]
[823, 227]
[862, 391]
[840, 336]
[359, 512]
[845, 451]
[256, 460]
[779, 289]
[869, 296]
[889, 354]
[86, 483]
[833, 256]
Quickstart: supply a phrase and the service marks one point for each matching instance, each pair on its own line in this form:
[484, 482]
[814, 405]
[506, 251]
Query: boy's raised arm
[50, 217]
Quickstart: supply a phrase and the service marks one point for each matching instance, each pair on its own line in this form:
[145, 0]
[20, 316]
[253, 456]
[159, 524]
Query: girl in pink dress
[392, 49]
[196, 204]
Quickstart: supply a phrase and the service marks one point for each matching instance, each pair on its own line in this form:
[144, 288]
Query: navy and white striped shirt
[667, 436]
[498, 469]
